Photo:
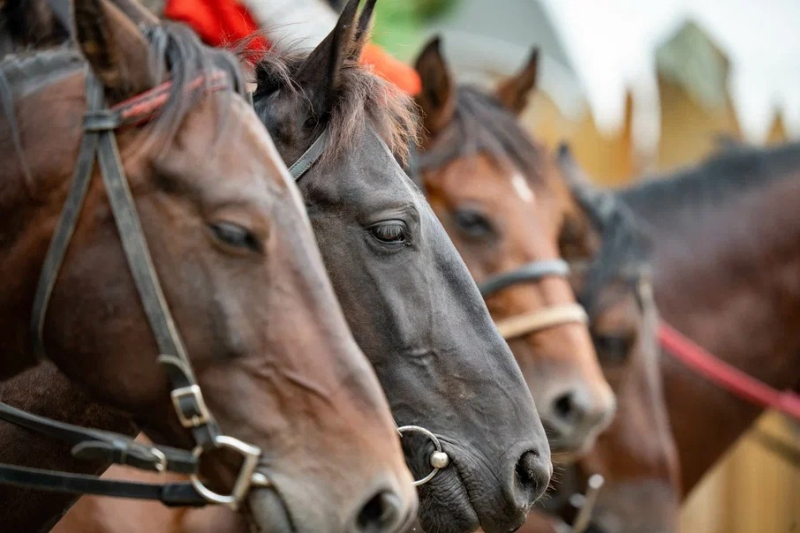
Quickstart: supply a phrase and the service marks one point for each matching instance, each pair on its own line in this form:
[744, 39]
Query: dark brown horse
[725, 274]
[497, 194]
[240, 272]
[409, 298]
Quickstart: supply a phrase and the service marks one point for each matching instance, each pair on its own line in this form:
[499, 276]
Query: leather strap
[533, 271]
[517, 326]
[310, 156]
[175, 361]
[171, 494]
[94, 444]
[66, 222]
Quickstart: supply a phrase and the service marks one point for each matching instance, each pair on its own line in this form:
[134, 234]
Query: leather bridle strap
[552, 316]
[310, 156]
[171, 494]
[533, 271]
[99, 142]
[519, 325]
[97, 445]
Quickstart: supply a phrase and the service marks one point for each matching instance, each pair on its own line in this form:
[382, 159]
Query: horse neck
[44, 391]
[725, 274]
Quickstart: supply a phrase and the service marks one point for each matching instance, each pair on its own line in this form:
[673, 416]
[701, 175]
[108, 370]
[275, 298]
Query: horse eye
[236, 236]
[473, 222]
[612, 348]
[390, 232]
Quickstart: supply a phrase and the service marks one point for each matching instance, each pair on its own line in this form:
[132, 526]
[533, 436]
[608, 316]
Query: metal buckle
[246, 477]
[438, 459]
[193, 391]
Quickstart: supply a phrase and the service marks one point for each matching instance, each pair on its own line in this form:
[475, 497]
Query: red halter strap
[142, 107]
[726, 376]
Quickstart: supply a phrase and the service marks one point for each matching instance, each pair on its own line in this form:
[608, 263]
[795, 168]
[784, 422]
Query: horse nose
[579, 408]
[531, 477]
[381, 513]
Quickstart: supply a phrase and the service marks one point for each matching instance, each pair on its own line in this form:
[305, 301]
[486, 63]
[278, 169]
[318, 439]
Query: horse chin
[445, 505]
[268, 514]
[568, 448]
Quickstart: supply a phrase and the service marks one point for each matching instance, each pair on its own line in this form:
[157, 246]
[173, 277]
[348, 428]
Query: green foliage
[398, 23]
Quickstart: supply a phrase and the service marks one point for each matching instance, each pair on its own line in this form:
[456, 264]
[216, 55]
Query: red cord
[726, 376]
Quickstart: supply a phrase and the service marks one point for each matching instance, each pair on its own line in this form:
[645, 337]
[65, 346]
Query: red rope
[726, 376]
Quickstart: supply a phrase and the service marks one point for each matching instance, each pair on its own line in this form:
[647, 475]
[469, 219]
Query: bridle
[99, 142]
[439, 458]
[532, 272]
[534, 321]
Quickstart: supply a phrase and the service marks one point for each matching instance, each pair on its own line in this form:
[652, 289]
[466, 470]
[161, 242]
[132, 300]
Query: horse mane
[176, 54]
[625, 248]
[724, 176]
[481, 124]
[364, 99]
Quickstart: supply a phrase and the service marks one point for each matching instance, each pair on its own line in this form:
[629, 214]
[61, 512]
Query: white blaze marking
[523, 189]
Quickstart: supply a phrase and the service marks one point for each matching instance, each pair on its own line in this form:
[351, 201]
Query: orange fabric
[227, 22]
[391, 69]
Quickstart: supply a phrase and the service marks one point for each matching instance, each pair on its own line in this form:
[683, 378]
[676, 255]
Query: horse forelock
[363, 99]
[481, 125]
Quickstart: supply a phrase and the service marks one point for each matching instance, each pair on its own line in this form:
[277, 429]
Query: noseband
[535, 271]
[99, 142]
[438, 458]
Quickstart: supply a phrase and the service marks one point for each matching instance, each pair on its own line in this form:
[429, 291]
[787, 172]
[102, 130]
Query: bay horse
[408, 297]
[725, 263]
[238, 266]
[723, 260]
[493, 189]
[636, 455]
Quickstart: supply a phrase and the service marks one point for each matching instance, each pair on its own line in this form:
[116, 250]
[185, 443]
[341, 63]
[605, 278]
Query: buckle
[203, 416]
[246, 478]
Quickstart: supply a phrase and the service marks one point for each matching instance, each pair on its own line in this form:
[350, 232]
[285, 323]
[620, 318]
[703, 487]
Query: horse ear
[513, 92]
[573, 175]
[437, 100]
[362, 30]
[114, 47]
[320, 74]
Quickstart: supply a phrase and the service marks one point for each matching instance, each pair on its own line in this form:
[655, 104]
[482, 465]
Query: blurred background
[637, 87]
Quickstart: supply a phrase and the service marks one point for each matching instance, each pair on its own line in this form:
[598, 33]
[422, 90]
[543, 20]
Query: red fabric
[227, 23]
[219, 23]
[726, 376]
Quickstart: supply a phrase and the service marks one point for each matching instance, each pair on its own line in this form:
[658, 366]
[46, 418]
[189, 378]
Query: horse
[493, 189]
[636, 456]
[230, 263]
[724, 274]
[711, 227]
[412, 305]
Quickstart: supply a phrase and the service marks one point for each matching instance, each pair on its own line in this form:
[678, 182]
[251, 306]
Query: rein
[552, 316]
[726, 376]
[99, 142]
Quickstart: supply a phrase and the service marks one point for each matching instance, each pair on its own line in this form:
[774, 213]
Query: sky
[612, 44]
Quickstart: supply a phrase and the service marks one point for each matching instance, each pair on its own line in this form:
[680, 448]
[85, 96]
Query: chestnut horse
[238, 264]
[496, 194]
[636, 456]
[412, 305]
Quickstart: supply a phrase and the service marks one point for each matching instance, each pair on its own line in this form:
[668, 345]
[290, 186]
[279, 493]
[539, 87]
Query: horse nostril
[381, 514]
[566, 408]
[532, 474]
